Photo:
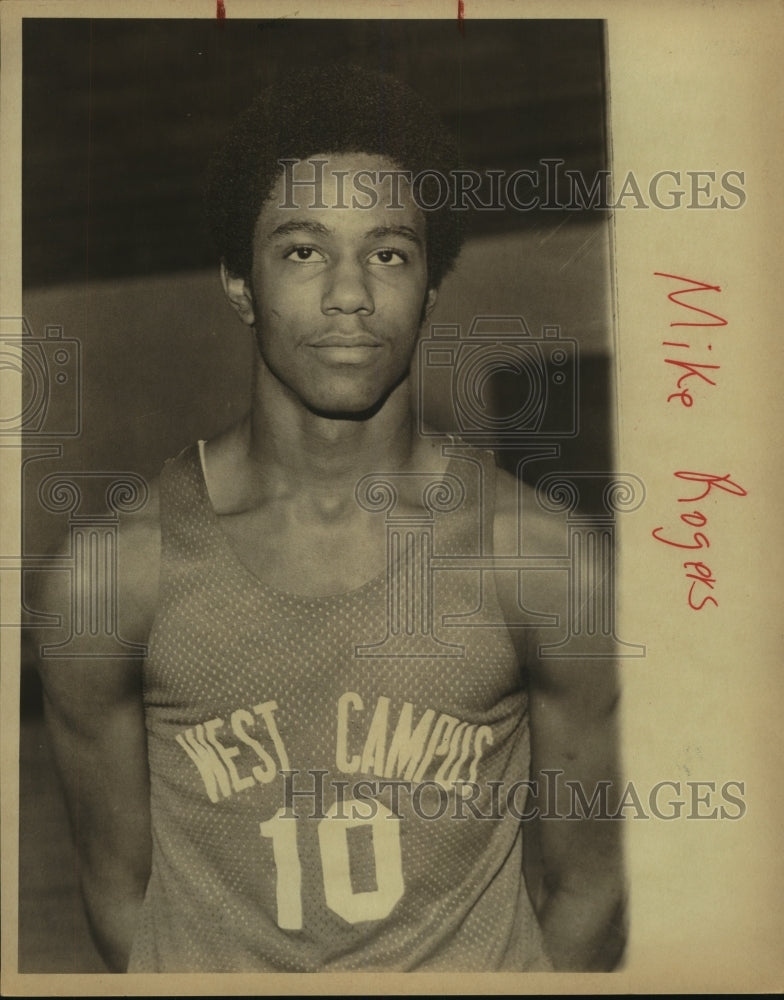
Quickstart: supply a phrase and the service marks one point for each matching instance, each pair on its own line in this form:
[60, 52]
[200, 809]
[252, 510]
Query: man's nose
[347, 289]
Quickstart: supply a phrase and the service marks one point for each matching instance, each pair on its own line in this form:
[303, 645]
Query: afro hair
[332, 109]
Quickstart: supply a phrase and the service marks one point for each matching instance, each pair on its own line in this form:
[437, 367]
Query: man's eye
[304, 255]
[388, 257]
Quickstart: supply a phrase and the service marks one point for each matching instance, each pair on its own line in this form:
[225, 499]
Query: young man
[314, 770]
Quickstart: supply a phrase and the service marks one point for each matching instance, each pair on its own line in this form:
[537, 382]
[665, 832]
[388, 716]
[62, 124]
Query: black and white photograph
[381, 529]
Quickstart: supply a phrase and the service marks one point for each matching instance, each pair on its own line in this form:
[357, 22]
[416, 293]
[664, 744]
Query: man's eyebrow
[301, 226]
[405, 231]
[318, 229]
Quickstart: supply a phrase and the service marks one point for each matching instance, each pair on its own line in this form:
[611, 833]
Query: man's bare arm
[95, 724]
[573, 708]
[578, 885]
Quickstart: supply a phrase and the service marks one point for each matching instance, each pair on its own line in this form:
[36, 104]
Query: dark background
[119, 119]
[121, 115]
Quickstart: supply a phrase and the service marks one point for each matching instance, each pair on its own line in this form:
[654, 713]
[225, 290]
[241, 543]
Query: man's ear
[238, 292]
[430, 301]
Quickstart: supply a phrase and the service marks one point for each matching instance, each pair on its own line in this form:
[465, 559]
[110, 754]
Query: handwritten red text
[688, 367]
[698, 573]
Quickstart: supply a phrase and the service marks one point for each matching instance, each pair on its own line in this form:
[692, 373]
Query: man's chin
[354, 405]
[343, 410]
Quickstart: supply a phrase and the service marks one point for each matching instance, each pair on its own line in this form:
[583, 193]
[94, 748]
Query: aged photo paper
[629, 245]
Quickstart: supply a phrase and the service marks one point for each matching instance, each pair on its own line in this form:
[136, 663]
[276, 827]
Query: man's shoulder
[521, 526]
[518, 513]
[140, 531]
[70, 683]
[138, 566]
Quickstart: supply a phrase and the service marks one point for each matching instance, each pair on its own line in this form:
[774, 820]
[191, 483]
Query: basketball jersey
[337, 783]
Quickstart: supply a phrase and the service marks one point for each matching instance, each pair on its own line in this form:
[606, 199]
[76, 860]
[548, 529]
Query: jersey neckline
[195, 455]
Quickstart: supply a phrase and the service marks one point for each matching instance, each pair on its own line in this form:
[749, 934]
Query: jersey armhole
[203, 463]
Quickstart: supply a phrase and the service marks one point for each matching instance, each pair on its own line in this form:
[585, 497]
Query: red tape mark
[461, 17]
[220, 12]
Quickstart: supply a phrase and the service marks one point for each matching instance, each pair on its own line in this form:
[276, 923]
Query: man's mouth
[347, 348]
[346, 340]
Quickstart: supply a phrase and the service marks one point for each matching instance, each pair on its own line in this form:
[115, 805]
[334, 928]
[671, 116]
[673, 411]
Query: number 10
[352, 906]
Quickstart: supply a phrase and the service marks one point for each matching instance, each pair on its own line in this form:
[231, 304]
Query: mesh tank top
[336, 782]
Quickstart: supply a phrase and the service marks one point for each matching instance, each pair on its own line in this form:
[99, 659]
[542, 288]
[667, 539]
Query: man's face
[338, 292]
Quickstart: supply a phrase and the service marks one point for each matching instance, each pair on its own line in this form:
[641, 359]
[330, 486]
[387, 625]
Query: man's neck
[297, 450]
